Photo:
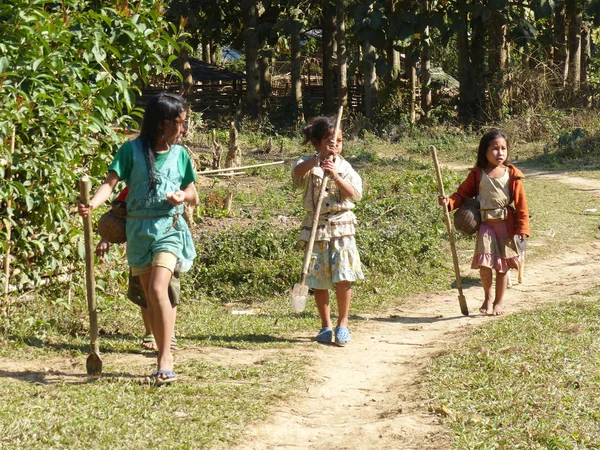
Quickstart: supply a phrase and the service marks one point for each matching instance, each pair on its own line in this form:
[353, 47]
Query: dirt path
[368, 395]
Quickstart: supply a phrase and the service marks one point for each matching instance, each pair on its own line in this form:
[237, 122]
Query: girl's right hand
[84, 210]
[443, 200]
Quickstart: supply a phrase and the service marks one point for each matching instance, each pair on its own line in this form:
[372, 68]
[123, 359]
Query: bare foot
[498, 310]
[148, 343]
[486, 308]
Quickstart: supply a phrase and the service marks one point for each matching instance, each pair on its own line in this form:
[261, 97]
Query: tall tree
[411, 67]
[342, 56]
[574, 13]
[328, 18]
[466, 95]
[425, 66]
[251, 44]
[586, 56]
[296, 63]
[498, 63]
[560, 41]
[478, 66]
[392, 55]
[370, 86]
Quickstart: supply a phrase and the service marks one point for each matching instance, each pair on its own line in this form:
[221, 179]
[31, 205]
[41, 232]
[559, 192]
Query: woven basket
[467, 218]
[111, 225]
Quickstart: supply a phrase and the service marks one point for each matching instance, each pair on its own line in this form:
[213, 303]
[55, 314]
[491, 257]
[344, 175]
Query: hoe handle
[461, 298]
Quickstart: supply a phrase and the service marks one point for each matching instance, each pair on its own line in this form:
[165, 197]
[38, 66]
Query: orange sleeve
[467, 188]
[521, 208]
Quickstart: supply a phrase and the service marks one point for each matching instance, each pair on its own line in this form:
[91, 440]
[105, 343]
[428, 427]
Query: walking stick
[461, 298]
[300, 290]
[93, 363]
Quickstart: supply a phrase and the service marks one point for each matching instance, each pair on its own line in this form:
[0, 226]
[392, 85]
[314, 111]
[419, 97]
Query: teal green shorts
[332, 262]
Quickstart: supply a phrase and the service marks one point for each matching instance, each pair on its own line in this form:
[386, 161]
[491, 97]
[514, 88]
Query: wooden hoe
[93, 363]
[461, 298]
[300, 290]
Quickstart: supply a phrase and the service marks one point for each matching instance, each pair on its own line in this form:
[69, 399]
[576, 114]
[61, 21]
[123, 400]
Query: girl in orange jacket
[497, 185]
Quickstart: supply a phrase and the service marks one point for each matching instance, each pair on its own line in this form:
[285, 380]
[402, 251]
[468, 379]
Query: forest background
[71, 72]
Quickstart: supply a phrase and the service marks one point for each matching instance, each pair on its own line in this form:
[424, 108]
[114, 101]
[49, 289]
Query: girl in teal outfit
[160, 178]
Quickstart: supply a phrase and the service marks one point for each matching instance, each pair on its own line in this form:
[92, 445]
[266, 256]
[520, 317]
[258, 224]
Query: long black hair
[318, 129]
[159, 109]
[485, 143]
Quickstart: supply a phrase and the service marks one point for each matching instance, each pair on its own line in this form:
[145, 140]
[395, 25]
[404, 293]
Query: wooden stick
[93, 363]
[226, 174]
[461, 298]
[313, 231]
[204, 172]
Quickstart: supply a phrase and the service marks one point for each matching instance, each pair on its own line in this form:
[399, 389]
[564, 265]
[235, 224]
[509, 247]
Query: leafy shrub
[246, 263]
[62, 94]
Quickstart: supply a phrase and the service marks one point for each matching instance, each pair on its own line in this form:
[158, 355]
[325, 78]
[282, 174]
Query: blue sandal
[163, 377]
[342, 336]
[325, 335]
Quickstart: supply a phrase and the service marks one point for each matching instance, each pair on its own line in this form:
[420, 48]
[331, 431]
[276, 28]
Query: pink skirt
[495, 248]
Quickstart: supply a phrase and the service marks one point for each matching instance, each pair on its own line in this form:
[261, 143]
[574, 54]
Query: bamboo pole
[8, 224]
[204, 172]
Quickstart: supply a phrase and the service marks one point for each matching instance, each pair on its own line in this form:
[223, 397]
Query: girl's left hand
[522, 237]
[329, 166]
[176, 198]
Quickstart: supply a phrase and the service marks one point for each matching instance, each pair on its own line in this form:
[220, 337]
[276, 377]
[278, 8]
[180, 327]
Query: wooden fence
[220, 99]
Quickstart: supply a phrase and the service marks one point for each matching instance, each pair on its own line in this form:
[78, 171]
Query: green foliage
[575, 144]
[69, 73]
[246, 264]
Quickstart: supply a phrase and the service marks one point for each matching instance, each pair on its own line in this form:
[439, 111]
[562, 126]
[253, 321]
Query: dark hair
[318, 128]
[159, 109]
[485, 143]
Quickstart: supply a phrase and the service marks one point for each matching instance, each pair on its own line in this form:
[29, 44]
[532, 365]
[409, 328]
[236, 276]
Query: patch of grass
[527, 381]
[558, 219]
[206, 410]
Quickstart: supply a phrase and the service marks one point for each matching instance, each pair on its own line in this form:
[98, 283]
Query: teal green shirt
[123, 163]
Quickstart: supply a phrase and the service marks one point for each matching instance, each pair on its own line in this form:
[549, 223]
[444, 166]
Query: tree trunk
[253, 91]
[411, 67]
[498, 65]
[560, 42]
[342, 54]
[478, 69]
[206, 50]
[574, 16]
[425, 68]
[296, 71]
[234, 154]
[392, 56]
[370, 86]
[265, 80]
[183, 63]
[213, 53]
[465, 90]
[586, 55]
[328, 29]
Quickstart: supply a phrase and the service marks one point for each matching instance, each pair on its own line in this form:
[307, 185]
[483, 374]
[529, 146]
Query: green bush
[69, 74]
